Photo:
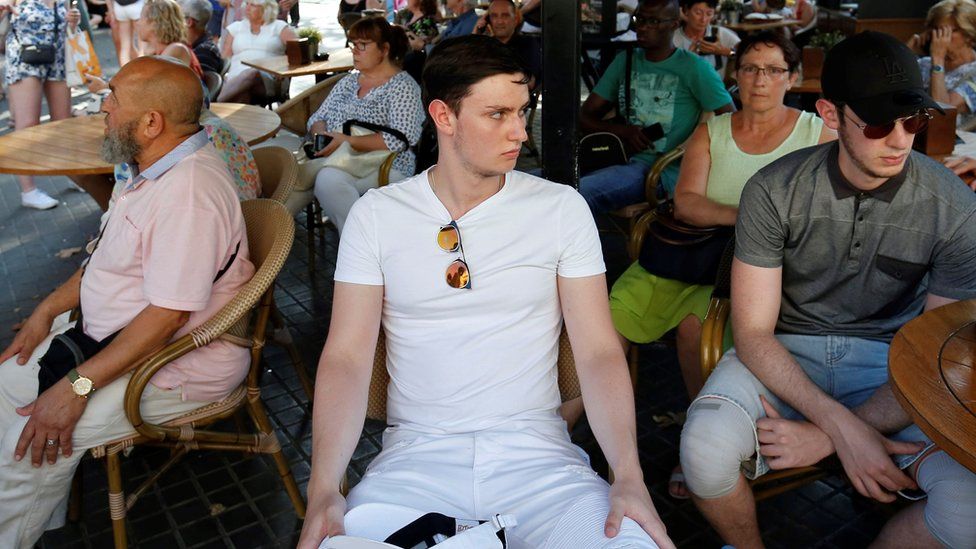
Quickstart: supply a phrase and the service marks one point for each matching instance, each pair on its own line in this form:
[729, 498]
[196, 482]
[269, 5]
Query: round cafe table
[72, 146]
[932, 365]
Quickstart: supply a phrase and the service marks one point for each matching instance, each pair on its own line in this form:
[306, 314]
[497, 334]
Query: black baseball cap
[877, 76]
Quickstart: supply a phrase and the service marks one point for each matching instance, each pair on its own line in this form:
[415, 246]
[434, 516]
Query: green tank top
[731, 167]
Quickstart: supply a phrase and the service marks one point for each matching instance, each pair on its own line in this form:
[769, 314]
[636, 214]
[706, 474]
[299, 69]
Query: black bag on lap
[683, 252]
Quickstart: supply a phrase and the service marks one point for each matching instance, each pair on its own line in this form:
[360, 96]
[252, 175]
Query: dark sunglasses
[457, 274]
[912, 124]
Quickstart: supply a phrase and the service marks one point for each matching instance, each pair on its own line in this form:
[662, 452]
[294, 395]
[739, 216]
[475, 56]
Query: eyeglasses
[457, 274]
[360, 45]
[652, 21]
[703, 13]
[912, 124]
[753, 71]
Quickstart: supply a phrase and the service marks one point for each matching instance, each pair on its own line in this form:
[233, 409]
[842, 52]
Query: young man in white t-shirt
[472, 346]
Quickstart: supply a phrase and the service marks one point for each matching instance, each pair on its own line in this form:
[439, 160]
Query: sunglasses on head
[912, 124]
[457, 274]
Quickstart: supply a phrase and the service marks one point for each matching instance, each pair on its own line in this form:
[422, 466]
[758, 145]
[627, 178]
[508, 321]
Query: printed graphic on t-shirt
[652, 101]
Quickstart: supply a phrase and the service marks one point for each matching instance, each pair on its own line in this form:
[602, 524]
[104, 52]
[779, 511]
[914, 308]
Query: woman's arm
[287, 34]
[227, 50]
[690, 202]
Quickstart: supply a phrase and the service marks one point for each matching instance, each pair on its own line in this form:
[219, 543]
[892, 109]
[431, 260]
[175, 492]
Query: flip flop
[676, 479]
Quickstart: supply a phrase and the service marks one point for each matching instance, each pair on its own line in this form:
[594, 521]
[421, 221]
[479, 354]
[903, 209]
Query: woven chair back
[277, 170]
[569, 387]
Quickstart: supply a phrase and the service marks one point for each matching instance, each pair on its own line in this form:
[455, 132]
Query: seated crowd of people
[823, 208]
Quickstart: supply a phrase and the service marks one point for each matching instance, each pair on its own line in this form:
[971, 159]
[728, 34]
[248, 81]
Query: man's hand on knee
[864, 453]
[30, 335]
[323, 519]
[786, 444]
[53, 417]
[629, 498]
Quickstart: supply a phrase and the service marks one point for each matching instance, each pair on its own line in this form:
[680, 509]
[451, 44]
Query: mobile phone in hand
[653, 132]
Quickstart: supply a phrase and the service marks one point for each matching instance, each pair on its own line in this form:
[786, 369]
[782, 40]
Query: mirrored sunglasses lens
[448, 239]
[457, 275]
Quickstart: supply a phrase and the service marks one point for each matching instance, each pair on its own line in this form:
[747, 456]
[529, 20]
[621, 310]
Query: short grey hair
[471, 4]
[198, 10]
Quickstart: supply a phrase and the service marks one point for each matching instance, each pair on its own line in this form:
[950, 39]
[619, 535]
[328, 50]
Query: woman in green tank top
[720, 156]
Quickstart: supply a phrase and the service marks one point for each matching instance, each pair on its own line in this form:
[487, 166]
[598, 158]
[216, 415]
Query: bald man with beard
[171, 252]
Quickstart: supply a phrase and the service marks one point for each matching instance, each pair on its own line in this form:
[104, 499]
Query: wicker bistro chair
[270, 233]
[569, 385]
[294, 115]
[713, 332]
[278, 172]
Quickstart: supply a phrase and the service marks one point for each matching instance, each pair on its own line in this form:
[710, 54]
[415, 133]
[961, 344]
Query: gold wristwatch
[81, 385]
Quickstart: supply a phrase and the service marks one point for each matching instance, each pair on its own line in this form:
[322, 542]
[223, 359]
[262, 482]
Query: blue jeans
[617, 186]
[848, 369]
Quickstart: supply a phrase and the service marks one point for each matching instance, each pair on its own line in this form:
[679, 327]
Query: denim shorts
[849, 369]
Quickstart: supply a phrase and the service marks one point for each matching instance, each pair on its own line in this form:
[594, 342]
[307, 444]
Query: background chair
[632, 214]
[713, 332]
[213, 82]
[294, 115]
[270, 231]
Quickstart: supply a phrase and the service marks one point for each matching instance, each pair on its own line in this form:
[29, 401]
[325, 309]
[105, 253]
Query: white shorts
[529, 470]
[127, 13]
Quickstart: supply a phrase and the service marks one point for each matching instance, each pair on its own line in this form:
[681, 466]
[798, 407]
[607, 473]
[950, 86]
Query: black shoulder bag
[41, 54]
[678, 251]
[602, 149]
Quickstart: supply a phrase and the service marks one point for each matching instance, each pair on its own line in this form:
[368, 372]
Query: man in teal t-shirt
[669, 87]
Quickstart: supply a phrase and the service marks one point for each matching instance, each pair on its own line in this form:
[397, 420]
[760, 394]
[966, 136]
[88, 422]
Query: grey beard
[120, 146]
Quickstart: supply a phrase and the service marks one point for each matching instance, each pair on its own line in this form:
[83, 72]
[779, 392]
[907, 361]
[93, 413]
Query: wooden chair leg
[116, 500]
[281, 336]
[260, 417]
[310, 235]
[632, 361]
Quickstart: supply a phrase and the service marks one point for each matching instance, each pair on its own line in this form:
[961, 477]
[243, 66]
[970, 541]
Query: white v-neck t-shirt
[464, 360]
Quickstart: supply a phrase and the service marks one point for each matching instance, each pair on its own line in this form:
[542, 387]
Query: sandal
[676, 484]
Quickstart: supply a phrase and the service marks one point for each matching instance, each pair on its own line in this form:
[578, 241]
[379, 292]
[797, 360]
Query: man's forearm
[65, 298]
[609, 402]
[337, 420]
[776, 368]
[148, 332]
[883, 412]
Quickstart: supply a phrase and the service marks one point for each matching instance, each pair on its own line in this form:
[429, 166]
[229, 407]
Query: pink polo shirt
[165, 240]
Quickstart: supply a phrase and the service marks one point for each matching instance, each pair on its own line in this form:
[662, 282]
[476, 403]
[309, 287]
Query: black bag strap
[348, 124]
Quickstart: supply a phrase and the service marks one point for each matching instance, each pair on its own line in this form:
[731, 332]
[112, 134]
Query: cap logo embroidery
[894, 72]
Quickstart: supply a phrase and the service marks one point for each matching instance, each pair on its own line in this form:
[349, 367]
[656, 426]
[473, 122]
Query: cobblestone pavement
[216, 499]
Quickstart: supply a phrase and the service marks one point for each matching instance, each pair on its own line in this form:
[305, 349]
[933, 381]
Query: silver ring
[51, 442]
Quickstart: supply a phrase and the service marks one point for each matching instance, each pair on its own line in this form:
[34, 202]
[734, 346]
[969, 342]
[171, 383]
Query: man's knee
[950, 512]
[717, 437]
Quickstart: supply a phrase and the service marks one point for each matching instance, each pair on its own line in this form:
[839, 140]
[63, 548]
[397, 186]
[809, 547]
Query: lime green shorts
[645, 307]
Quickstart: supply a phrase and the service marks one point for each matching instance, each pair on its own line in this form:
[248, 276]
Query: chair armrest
[712, 334]
[384, 176]
[636, 240]
[654, 175]
[140, 379]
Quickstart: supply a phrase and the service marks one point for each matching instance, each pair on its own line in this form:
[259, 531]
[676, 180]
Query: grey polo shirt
[858, 263]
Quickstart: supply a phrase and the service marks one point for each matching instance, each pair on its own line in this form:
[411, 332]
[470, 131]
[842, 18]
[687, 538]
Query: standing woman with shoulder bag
[34, 68]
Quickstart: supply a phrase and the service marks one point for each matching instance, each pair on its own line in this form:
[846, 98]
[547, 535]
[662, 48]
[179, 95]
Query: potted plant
[729, 10]
[815, 51]
[314, 37]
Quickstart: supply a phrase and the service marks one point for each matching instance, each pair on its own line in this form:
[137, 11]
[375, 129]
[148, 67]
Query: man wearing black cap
[837, 246]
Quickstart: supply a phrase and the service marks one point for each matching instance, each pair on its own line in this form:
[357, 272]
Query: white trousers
[527, 469]
[337, 191]
[33, 500]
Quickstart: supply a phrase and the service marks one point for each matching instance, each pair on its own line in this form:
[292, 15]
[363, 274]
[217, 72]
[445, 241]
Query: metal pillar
[560, 90]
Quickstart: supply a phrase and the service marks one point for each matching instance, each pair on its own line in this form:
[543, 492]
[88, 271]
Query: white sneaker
[37, 199]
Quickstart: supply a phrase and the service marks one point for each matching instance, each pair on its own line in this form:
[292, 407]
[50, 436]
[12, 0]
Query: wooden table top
[339, 61]
[808, 85]
[759, 24]
[932, 364]
[73, 146]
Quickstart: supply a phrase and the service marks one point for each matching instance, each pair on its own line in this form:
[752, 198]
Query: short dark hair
[380, 31]
[657, 3]
[687, 4]
[772, 39]
[456, 64]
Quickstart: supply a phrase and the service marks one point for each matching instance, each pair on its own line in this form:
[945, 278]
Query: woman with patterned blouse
[378, 92]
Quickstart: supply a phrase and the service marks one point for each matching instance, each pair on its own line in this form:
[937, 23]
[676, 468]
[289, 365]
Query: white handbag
[347, 159]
